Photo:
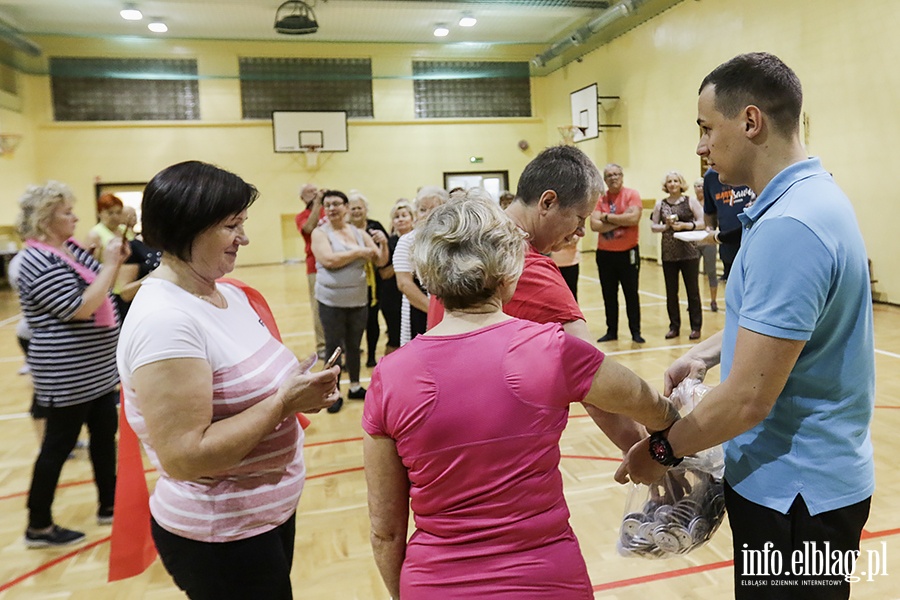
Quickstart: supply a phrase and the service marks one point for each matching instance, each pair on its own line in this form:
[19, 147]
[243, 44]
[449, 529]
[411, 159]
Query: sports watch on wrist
[661, 450]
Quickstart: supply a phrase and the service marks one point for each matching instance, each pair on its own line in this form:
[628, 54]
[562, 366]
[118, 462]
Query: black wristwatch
[661, 449]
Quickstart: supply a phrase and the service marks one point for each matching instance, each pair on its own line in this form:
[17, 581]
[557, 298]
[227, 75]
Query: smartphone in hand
[334, 358]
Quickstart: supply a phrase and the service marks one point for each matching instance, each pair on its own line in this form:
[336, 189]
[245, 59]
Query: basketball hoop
[312, 155]
[8, 143]
[568, 133]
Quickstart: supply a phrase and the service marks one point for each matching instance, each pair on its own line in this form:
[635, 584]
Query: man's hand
[638, 466]
[683, 368]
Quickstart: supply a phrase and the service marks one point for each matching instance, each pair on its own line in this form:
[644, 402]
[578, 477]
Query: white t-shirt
[248, 364]
[403, 264]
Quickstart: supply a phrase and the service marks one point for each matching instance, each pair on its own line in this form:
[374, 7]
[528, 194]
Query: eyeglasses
[328, 205]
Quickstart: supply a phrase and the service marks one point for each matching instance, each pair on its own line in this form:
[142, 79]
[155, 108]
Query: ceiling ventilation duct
[295, 17]
[14, 38]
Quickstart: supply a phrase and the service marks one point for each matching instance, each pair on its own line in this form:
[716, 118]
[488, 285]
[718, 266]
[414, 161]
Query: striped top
[262, 491]
[72, 361]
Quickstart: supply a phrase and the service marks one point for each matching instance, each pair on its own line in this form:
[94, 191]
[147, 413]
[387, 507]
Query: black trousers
[615, 269]
[344, 327]
[690, 274]
[570, 274]
[63, 426]
[728, 252]
[257, 567]
[373, 329]
[796, 534]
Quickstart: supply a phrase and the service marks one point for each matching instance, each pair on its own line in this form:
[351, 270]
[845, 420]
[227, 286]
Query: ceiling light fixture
[130, 12]
[157, 26]
[467, 20]
[295, 17]
[441, 30]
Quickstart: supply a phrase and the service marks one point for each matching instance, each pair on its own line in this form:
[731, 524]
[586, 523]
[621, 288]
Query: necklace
[216, 298]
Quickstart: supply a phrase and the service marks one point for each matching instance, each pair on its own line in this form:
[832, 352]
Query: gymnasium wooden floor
[333, 560]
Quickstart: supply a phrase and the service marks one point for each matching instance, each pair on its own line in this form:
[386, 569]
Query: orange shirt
[619, 239]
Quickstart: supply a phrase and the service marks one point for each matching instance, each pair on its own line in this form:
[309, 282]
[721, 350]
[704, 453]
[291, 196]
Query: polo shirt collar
[776, 188]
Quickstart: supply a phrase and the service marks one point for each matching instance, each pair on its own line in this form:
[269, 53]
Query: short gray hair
[431, 192]
[466, 250]
[36, 208]
[357, 195]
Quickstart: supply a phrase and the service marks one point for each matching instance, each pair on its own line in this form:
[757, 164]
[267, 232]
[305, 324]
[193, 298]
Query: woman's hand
[116, 252]
[309, 392]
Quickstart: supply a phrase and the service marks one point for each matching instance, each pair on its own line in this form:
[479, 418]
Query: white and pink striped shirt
[248, 365]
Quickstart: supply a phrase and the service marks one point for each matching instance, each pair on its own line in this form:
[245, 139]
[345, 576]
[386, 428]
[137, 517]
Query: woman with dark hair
[212, 394]
[341, 252]
[64, 295]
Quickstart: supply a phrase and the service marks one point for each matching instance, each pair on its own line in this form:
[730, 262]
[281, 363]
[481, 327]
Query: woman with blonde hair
[478, 463]
[391, 299]
[678, 212]
[65, 297]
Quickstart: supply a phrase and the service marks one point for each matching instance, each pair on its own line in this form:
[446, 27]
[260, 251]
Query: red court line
[355, 439]
[590, 457]
[867, 535]
[665, 575]
[64, 485]
[342, 471]
[52, 563]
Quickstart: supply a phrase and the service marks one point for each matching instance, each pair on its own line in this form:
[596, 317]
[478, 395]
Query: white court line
[294, 334]
[891, 354]
[14, 416]
[13, 319]
[642, 350]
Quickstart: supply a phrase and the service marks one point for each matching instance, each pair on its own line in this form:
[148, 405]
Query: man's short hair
[760, 79]
[186, 199]
[564, 169]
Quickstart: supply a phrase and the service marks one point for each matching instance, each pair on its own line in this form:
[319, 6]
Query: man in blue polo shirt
[797, 353]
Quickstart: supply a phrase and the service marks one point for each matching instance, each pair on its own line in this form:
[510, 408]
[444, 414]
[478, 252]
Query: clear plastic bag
[682, 510]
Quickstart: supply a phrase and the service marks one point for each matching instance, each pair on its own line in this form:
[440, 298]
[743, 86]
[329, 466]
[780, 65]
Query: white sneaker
[24, 370]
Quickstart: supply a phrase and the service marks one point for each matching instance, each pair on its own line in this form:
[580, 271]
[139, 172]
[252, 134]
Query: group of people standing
[616, 219]
[462, 426]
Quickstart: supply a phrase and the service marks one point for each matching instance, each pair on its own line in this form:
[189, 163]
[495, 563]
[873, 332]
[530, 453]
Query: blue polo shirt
[802, 274]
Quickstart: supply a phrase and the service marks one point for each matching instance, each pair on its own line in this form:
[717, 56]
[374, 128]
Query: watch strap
[661, 449]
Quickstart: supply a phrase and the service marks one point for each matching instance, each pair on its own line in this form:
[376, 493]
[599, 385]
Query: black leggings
[344, 327]
[63, 426]
[690, 273]
[256, 567]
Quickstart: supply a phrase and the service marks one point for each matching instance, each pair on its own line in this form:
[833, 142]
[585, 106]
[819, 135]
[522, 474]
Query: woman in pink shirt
[463, 426]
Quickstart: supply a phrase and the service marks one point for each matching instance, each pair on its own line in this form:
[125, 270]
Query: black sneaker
[58, 536]
[105, 516]
[371, 363]
[609, 337]
[637, 339]
[336, 407]
[359, 394]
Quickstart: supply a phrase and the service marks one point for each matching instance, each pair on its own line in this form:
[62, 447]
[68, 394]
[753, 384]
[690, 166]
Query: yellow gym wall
[843, 52]
[390, 155]
[840, 50]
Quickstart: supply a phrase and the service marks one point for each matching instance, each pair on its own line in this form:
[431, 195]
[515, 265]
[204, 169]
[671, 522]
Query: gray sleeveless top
[344, 287]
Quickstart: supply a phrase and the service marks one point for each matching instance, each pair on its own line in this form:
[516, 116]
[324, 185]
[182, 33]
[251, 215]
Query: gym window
[455, 89]
[124, 89]
[305, 84]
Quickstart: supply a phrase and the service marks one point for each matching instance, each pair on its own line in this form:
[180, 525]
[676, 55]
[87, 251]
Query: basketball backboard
[297, 131]
[584, 113]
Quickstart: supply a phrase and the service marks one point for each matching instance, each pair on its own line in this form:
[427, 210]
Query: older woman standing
[479, 464]
[64, 295]
[212, 396]
[341, 252]
[678, 212]
[359, 218]
[391, 298]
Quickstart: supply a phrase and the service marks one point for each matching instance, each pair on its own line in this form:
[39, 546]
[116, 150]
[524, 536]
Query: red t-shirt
[620, 238]
[541, 296]
[300, 220]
